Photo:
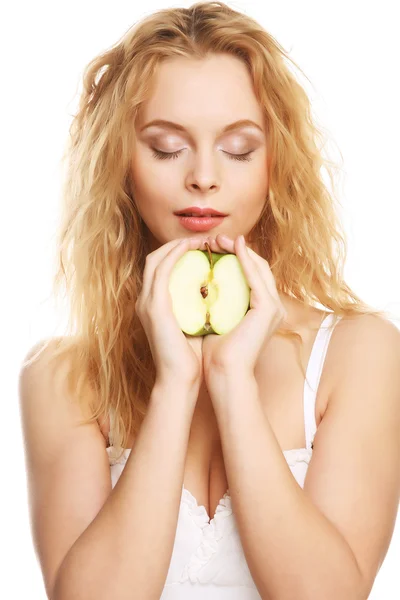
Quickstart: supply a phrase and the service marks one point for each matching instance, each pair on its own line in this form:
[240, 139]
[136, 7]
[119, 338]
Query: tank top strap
[313, 374]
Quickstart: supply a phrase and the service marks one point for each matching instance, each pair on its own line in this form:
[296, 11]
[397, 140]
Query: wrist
[178, 387]
[227, 376]
[172, 402]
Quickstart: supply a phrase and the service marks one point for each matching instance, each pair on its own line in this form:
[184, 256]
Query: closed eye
[168, 155]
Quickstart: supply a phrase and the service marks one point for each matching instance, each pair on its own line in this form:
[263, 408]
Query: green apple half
[209, 292]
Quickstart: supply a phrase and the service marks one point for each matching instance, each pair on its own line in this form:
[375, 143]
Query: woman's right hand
[175, 354]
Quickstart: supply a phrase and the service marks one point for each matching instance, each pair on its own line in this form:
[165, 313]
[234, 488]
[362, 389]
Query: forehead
[209, 92]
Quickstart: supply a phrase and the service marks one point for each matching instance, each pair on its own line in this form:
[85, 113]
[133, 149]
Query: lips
[198, 216]
[197, 211]
[200, 223]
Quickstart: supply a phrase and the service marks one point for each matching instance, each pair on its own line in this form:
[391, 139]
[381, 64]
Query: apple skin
[215, 256]
[208, 296]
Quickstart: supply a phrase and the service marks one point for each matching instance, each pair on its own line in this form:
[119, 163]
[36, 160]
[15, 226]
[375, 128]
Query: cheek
[143, 181]
[151, 198]
[141, 172]
[252, 183]
[153, 177]
[260, 182]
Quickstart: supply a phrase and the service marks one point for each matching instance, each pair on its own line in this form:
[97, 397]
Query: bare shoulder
[45, 370]
[353, 334]
[359, 341]
[50, 412]
[41, 367]
[366, 324]
[40, 359]
[352, 339]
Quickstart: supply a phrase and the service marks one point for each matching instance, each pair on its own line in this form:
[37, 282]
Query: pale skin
[334, 533]
[195, 96]
[327, 537]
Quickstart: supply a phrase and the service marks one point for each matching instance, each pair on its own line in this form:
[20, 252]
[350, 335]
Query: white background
[350, 52]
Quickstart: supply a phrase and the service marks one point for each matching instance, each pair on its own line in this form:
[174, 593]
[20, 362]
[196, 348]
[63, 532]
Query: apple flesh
[209, 292]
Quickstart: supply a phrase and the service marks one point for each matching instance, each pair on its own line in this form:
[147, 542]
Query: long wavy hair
[103, 242]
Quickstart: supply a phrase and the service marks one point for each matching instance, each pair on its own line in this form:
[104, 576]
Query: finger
[225, 244]
[257, 284]
[262, 265]
[221, 244]
[228, 245]
[163, 270]
[154, 258]
[265, 272]
[225, 241]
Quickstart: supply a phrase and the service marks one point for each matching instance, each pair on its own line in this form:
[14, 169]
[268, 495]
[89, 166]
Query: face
[197, 161]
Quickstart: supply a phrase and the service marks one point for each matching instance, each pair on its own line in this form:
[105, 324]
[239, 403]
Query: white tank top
[208, 562]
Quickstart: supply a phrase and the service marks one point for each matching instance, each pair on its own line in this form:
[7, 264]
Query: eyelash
[168, 155]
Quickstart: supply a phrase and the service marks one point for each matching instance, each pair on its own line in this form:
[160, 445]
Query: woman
[142, 433]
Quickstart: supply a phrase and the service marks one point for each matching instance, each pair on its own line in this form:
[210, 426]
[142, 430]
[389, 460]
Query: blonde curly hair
[102, 240]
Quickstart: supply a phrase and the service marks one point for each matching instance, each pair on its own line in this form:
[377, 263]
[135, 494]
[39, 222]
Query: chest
[281, 390]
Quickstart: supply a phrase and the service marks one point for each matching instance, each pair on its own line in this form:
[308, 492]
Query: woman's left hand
[239, 348]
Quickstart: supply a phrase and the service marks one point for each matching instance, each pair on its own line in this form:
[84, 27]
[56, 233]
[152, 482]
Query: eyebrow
[232, 126]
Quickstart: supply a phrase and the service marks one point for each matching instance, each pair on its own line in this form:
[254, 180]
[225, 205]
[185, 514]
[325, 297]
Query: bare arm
[126, 550]
[92, 541]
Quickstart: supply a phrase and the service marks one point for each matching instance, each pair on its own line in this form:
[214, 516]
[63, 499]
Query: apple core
[209, 292]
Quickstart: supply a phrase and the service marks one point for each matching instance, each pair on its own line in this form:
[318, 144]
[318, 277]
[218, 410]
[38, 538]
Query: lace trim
[113, 452]
[298, 455]
[292, 456]
[212, 532]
